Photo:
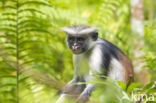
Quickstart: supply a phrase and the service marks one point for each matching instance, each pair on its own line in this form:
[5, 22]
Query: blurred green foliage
[35, 61]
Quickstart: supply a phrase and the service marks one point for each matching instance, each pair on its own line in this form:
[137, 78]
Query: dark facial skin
[78, 44]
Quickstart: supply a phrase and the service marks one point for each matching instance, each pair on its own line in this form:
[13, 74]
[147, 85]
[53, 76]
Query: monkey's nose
[74, 47]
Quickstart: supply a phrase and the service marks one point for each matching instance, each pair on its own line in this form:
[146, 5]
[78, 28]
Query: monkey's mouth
[76, 50]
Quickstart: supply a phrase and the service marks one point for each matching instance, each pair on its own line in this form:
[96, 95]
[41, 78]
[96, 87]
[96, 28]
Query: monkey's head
[80, 38]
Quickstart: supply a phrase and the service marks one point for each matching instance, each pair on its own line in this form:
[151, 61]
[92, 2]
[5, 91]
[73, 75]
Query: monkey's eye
[71, 39]
[80, 39]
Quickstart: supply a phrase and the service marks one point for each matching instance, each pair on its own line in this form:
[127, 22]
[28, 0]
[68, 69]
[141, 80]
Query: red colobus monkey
[100, 57]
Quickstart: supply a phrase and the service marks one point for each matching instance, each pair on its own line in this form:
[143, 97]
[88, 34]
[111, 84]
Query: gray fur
[79, 30]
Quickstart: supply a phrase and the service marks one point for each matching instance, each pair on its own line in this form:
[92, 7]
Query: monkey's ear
[94, 35]
[68, 30]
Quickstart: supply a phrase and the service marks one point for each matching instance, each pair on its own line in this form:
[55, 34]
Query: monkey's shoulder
[108, 48]
[104, 52]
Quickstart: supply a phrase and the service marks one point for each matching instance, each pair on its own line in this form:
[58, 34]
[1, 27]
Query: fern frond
[29, 21]
[7, 36]
[7, 19]
[8, 0]
[22, 30]
[8, 14]
[34, 30]
[35, 3]
[9, 7]
[8, 85]
[30, 10]
[29, 41]
[30, 25]
[7, 29]
[8, 25]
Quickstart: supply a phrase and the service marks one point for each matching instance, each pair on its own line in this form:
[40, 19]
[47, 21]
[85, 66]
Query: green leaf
[28, 61]
[34, 30]
[30, 10]
[8, 0]
[8, 76]
[8, 14]
[9, 7]
[8, 85]
[8, 26]
[7, 29]
[22, 22]
[133, 86]
[151, 91]
[122, 85]
[23, 79]
[148, 86]
[35, 3]
[8, 19]
[31, 27]
[10, 48]
[9, 36]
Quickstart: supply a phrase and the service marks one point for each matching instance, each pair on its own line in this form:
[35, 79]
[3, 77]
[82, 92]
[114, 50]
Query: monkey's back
[117, 64]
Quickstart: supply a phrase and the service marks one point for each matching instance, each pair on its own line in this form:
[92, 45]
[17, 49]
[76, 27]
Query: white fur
[95, 59]
[75, 31]
[88, 30]
[76, 60]
[116, 70]
[93, 63]
[69, 30]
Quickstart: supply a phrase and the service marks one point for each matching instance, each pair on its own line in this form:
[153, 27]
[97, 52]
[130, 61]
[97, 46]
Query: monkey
[100, 56]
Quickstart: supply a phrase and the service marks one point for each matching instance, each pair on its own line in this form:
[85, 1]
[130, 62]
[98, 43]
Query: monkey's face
[77, 44]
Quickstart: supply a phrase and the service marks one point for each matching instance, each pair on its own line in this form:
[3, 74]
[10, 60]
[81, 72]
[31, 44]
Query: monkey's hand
[72, 89]
[69, 87]
[84, 96]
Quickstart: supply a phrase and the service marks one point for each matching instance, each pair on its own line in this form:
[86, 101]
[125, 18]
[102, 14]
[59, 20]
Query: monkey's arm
[84, 96]
[71, 90]
[67, 90]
